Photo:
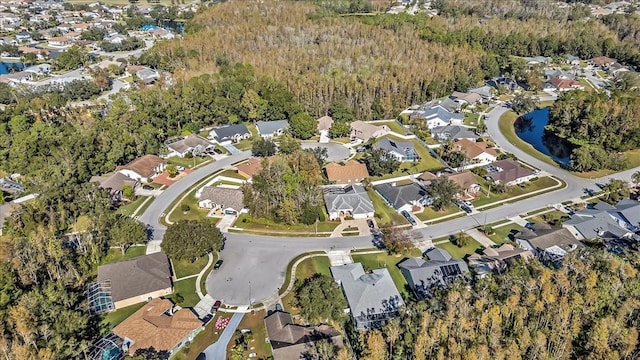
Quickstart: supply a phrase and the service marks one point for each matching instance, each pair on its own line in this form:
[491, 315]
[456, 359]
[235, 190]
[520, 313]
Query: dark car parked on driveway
[217, 264]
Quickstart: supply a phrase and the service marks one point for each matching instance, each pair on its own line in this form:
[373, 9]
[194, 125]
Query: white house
[348, 200]
[144, 168]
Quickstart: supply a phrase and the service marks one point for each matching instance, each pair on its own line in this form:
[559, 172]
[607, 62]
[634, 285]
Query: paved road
[152, 214]
[218, 350]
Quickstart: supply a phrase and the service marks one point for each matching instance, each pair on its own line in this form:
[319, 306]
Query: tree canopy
[320, 299]
[443, 192]
[189, 240]
[380, 162]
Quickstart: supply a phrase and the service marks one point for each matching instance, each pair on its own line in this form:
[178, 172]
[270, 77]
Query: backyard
[115, 255]
[393, 126]
[458, 252]
[114, 318]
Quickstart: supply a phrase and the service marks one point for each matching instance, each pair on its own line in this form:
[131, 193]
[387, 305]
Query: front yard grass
[390, 262]
[394, 126]
[245, 221]
[514, 190]
[194, 212]
[471, 119]
[550, 217]
[115, 255]
[127, 210]
[184, 268]
[384, 214]
[258, 343]
[112, 319]
[430, 213]
[243, 145]
[205, 338]
[184, 293]
[501, 234]
[188, 163]
[460, 252]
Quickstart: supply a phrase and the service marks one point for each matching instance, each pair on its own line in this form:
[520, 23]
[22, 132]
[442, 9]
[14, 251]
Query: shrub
[185, 207]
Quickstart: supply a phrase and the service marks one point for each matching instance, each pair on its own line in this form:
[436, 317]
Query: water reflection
[531, 128]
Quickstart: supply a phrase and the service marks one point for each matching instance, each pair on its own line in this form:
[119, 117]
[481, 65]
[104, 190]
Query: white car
[180, 168]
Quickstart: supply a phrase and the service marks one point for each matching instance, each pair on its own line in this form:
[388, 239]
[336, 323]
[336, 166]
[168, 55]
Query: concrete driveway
[335, 152]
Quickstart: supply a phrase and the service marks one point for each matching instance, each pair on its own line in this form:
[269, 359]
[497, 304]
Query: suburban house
[410, 197]
[229, 133]
[182, 145]
[486, 92]
[566, 84]
[223, 200]
[144, 168]
[496, 259]
[250, 168]
[115, 182]
[138, 279]
[60, 42]
[572, 60]
[479, 153]
[349, 200]
[401, 150]
[438, 116]
[372, 296]
[290, 341]
[556, 73]
[11, 186]
[440, 270]
[361, 130]
[324, 124]
[601, 61]
[23, 37]
[147, 75]
[617, 68]
[352, 172]
[160, 326]
[604, 221]
[17, 77]
[468, 182]
[509, 172]
[507, 82]
[40, 69]
[115, 39]
[549, 243]
[453, 132]
[270, 129]
[469, 99]
[535, 60]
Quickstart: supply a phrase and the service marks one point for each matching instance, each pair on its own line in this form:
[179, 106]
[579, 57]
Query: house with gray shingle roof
[401, 150]
[453, 132]
[372, 296]
[438, 115]
[229, 133]
[605, 221]
[270, 129]
[404, 197]
[440, 270]
[223, 199]
[349, 200]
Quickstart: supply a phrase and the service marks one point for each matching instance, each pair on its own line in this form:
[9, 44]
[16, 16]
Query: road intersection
[254, 266]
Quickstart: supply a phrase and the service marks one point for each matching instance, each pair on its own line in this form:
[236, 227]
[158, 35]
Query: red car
[216, 306]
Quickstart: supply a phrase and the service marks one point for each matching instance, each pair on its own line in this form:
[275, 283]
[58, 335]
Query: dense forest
[385, 61]
[599, 125]
[588, 309]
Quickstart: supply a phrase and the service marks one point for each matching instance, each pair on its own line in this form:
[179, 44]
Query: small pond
[531, 129]
[7, 67]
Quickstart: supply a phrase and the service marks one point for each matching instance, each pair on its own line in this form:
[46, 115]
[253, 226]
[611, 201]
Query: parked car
[148, 187]
[278, 307]
[468, 204]
[217, 265]
[371, 224]
[409, 218]
[180, 168]
[216, 306]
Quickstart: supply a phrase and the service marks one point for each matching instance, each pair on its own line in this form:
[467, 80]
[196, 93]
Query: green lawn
[205, 338]
[188, 163]
[184, 268]
[426, 162]
[382, 260]
[115, 255]
[342, 140]
[187, 290]
[127, 210]
[500, 235]
[471, 119]
[244, 145]
[514, 190]
[114, 318]
[203, 280]
[550, 217]
[460, 252]
[194, 212]
[222, 149]
[394, 126]
[306, 269]
[232, 174]
[430, 213]
[245, 221]
[384, 214]
[258, 343]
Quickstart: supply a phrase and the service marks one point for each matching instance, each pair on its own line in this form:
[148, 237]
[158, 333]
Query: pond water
[5, 67]
[531, 128]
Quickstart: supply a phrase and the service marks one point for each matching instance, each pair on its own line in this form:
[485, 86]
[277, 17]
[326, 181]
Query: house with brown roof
[566, 84]
[138, 279]
[467, 182]
[115, 183]
[497, 259]
[352, 172]
[602, 61]
[470, 99]
[250, 168]
[361, 130]
[144, 168]
[549, 243]
[290, 341]
[509, 172]
[324, 123]
[160, 326]
[221, 199]
[478, 153]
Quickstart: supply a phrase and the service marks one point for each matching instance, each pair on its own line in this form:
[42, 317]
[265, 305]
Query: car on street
[409, 218]
[217, 265]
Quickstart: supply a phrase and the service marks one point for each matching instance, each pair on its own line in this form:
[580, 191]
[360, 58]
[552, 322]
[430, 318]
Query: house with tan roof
[352, 172]
[467, 182]
[144, 168]
[115, 183]
[324, 123]
[566, 84]
[479, 153]
[136, 280]
[602, 61]
[250, 168]
[159, 325]
[182, 145]
[363, 131]
[497, 259]
[470, 99]
[221, 199]
[290, 341]
[509, 172]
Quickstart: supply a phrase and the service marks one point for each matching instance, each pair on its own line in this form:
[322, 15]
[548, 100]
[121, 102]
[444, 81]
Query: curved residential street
[254, 266]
